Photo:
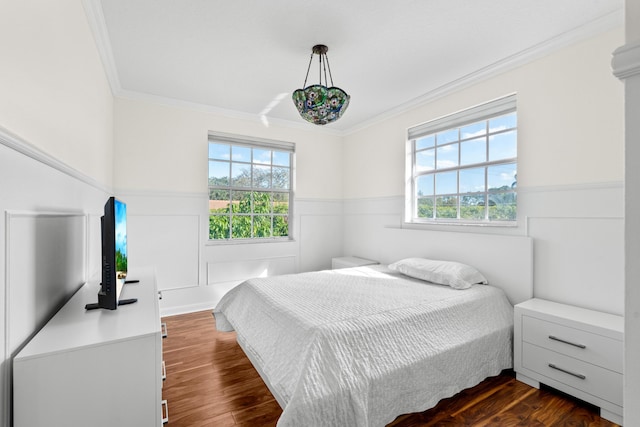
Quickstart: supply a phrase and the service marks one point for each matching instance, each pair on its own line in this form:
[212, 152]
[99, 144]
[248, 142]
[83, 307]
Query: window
[463, 168]
[250, 188]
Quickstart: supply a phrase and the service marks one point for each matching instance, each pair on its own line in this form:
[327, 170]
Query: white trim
[186, 308]
[573, 187]
[18, 144]
[626, 61]
[484, 111]
[95, 18]
[249, 141]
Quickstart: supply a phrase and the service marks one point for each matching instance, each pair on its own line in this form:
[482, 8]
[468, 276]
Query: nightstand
[575, 350]
[350, 261]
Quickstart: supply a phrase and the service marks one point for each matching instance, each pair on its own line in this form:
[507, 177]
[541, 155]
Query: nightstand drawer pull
[552, 366]
[551, 337]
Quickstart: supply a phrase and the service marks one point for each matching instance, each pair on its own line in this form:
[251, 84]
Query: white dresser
[572, 349]
[94, 368]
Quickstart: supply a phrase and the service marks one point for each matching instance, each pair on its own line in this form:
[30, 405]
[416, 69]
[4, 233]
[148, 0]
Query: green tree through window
[249, 190]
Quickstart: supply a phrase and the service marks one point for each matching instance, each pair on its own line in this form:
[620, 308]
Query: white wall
[56, 156]
[160, 172]
[54, 91]
[570, 177]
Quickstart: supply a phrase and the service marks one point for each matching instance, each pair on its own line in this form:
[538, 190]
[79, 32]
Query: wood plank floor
[210, 382]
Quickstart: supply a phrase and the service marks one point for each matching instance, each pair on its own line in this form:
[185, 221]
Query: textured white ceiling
[241, 56]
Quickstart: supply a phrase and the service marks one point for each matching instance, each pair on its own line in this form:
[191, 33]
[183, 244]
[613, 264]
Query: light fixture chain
[326, 58]
[308, 68]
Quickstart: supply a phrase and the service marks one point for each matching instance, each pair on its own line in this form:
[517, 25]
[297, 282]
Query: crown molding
[97, 23]
[598, 26]
[626, 61]
[96, 19]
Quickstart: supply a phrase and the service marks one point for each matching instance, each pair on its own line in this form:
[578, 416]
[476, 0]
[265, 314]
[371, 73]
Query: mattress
[360, 346]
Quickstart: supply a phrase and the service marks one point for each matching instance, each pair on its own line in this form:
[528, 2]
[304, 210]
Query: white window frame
[257, 143]
[483, 112]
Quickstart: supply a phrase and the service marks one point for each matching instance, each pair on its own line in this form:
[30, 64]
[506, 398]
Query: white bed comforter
[360, 346]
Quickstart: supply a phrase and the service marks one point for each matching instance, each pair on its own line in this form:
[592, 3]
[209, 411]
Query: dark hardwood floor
[210, 382]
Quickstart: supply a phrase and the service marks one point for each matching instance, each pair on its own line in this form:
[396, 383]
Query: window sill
[270, 240]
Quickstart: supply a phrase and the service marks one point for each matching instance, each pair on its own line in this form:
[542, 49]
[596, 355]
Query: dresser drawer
[597, 381]
[585, 346]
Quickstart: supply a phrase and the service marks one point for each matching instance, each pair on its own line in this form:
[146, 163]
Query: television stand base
[127, 301]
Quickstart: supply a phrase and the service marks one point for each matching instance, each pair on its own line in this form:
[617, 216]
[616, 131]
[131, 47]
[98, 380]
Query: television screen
[114, 256]
[120, 242]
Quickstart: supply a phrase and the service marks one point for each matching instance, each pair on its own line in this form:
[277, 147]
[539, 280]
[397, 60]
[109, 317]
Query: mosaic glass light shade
[319, 104]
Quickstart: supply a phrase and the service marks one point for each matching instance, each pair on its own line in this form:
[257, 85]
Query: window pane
[447, 207]
[447, 136]
[447, 182]
[474, 129]
[471, 180]
[218, 173]
[218, 200]
[472, 207]
[502, 206]
[240, 175]
[507, 121]
[425, 160]
[502, 177]
[447, 156]
[281, 158]
[241, 154]
[473, 151]
[425, 207]
[262, 176]
[280, 226]
[219, 227]
[241, 201]
[262, 226]
[425, 142]
[424, 185]
[503, 146]
[241, 227]
[262, 156]
[219, 151]
[280, 178]
[261, 202]
[281, 203]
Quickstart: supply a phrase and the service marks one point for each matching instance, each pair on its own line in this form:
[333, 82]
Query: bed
[360, 346]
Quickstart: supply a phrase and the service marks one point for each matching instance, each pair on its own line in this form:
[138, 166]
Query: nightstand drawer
[589, 378]
[586, 346]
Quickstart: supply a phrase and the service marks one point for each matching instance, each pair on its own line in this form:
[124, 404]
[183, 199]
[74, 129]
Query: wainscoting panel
[237, 271]
[580, 261]
[170, 243]
[46, 264]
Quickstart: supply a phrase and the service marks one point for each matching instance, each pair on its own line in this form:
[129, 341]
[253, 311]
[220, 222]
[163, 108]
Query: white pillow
[451, 273]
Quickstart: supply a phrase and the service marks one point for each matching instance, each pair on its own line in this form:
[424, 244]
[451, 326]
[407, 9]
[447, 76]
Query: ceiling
[245, 58]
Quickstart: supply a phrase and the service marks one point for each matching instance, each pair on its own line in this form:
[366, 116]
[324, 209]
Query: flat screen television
[114, 256]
